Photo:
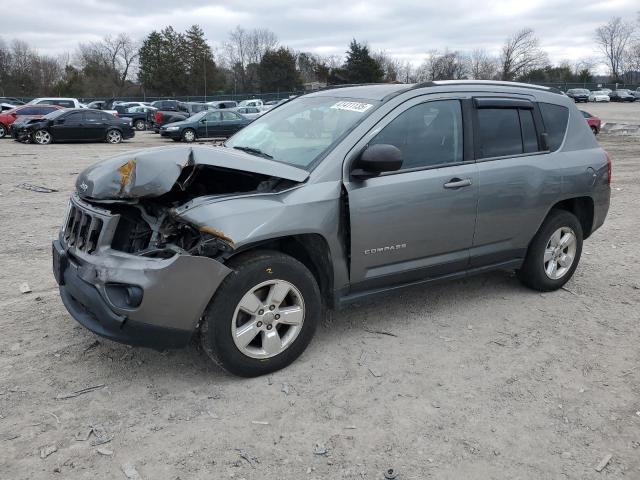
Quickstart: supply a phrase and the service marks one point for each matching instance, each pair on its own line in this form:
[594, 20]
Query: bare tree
[443, 66]
[122, 54]
[520, 54]
[390, 65]
[612, 40]
[482, 66]
[245, 48]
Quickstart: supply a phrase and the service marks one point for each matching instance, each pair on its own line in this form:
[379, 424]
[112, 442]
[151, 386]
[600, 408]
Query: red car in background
[24, 112]
[594, 122]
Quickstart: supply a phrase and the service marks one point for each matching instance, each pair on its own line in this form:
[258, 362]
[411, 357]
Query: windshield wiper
[255, 151]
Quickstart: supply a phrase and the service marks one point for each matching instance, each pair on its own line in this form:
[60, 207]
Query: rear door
[417, 222]
[517, 179]
[95, 126]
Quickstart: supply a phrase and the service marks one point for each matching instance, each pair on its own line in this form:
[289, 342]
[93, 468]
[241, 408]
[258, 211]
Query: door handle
[457, 183]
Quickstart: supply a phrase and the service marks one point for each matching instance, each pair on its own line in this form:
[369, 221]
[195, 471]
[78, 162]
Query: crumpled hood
[152, 172]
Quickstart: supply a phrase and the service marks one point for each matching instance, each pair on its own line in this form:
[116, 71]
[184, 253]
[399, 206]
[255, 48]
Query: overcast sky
[404, 28]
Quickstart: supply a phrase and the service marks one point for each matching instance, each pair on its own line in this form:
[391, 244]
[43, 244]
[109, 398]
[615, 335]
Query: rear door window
[499, 132]
[29, 111]
[555, 119]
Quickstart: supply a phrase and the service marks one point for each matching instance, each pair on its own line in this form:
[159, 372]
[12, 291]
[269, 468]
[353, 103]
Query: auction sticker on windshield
[352, 106]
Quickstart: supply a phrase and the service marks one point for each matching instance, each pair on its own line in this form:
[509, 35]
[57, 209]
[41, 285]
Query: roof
[372, 91]
[383, 91]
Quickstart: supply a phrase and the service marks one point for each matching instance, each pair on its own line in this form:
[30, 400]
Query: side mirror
[377, 159]
[544, 141]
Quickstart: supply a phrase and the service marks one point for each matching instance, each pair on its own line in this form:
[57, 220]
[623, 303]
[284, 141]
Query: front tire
[263, 315]
[42, 137]
[189, 135]
[554, 252]
[3, 130]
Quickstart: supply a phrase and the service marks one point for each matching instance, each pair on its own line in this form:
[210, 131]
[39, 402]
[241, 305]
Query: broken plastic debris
[25, 288]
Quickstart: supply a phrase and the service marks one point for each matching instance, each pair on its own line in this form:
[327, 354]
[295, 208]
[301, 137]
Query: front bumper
[170, 133]
[175, 292]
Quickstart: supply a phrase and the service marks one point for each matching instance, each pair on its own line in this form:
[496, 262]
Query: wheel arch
[310, 249]
[582, 208]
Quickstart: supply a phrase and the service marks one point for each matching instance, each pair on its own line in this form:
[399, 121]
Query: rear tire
[554, 252]
[3, 130]
[114, 136]
[285, 300]
[139, 125]
[594, 130]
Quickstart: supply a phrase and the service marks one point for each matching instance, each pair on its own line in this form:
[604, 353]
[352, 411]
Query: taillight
[158, 117]
[608, 168]
[115, 114]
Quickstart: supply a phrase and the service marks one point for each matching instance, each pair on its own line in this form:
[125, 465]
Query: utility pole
[204, 63]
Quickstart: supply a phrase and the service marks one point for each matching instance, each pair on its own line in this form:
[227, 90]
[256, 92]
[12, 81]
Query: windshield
[300, 131]
[198, 116]
[55, 114]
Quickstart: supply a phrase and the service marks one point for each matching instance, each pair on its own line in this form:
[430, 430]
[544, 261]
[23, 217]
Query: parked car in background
[137, 104]
[166, 105]
[594, 122]
[11, 101]
[254, 102]
[622, 95]
[6, 106]
[578, 94]
[60, 101]
[23, 113]
[140, 116]
[598, 96]
[636, 93]
[222, 104]
[183, 111]
[605, 90]
[250, 112]
[208, 124]
[75, 125]
[328, 200]
[104, 105]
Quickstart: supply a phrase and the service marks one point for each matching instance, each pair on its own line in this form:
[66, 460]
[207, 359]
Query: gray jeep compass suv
[331, 197]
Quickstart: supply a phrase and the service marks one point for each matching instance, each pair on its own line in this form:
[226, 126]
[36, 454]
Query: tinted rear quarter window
[555, 119]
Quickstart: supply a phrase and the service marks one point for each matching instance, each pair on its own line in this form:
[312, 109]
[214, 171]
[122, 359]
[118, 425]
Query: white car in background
[64, 102]
[255, 102]
[250, 112]
[598, 96]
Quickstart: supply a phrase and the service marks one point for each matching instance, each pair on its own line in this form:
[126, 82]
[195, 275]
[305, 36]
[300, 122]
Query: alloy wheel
[560, 253]
[3, 131]
[268, 319]
[114, 136]
[42, 137]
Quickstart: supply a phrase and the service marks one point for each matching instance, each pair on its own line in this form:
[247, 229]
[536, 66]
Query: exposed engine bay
[137, 189]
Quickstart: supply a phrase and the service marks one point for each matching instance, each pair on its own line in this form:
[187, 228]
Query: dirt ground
[482, 378]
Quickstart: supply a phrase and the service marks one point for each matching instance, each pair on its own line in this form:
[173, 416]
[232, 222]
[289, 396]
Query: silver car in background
[335, 196]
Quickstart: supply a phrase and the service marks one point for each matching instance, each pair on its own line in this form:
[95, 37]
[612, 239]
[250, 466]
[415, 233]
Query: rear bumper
[175, 292]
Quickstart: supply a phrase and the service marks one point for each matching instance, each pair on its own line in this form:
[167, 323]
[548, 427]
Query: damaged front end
[129, 265]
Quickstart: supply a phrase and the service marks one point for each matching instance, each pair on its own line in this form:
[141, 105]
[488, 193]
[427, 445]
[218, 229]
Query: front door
[417, 222]
[68, 127]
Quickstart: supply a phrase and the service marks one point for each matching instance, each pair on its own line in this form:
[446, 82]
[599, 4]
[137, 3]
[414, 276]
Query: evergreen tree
[360, 67]
[200, 64]
[151, 63]
[277, 71]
